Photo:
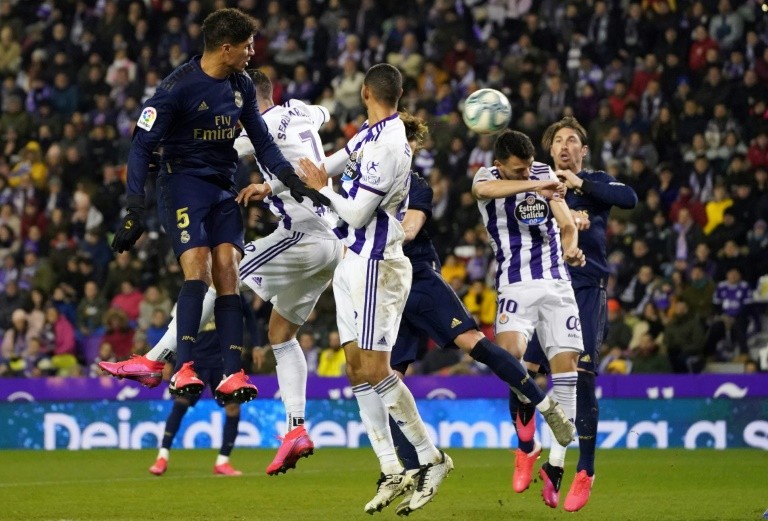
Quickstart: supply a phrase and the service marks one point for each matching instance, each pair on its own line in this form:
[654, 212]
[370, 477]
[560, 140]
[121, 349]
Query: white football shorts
[370, 298]
[545, 306]
[290, 269]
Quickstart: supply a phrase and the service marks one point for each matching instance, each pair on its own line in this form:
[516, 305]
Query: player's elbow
[479, 192]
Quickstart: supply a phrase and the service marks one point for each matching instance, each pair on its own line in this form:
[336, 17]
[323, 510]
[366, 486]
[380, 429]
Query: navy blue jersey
[420, 250]
[597, 195]
[194, 117]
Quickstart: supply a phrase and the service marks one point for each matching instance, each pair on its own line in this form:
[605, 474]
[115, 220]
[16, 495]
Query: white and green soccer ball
[487, 111]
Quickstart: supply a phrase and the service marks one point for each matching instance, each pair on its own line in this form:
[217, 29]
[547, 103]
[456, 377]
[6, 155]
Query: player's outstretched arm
[356, 212]
[604, 189]
[569, 234]
[503, 188]
[253, 192]
[413, 222]
[335, 163]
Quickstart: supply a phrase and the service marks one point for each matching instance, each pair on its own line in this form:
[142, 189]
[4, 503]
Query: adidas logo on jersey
[455, 323]
[586, 358]
[203, 106]
[382, 341]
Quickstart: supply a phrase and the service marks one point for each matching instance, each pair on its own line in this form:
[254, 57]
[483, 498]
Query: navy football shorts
[591, 301]
[432, 310]
[197, 212]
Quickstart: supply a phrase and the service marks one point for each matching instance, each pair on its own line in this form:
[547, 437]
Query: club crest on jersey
[147, 118]
[351, 171]
[503, 318]
[532, 210]
[184, 237]
[238, 99]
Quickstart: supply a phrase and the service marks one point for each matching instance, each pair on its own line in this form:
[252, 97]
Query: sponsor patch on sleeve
[147, 118]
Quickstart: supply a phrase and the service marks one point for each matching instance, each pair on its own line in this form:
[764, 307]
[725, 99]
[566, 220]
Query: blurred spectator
[619, 333]
[90, 311]
[17, 336]
[157, 327]
[480, 301]
[684, 338]
[312, 351]
[647, 357]
[152, 300]
[716, 206]
[699, 291]
[58, 337]
[638, 290]
[128, 300]
[727, 336]
[105, 355]
[118, 333]
[331, 360]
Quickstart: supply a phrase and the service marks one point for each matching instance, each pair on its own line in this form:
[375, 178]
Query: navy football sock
[173, 422]
[527, 411]
[405, 450]
[189, 308]
[587, 413]
[230, 434]
[508, 368]
[228, 313]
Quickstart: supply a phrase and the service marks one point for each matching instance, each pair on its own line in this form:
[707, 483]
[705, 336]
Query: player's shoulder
[600, 176]
[487, 172]
[541, 171]
[181, 76]
[242, 80]
[419, 184]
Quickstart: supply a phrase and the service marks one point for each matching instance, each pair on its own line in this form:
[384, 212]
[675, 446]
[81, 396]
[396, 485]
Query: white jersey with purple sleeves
[379, 163]
[524, 234]
[293, 125]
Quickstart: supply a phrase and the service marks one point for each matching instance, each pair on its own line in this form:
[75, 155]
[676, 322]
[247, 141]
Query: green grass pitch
[334, 484]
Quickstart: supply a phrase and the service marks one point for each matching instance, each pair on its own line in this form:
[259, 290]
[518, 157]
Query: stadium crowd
[674, 95]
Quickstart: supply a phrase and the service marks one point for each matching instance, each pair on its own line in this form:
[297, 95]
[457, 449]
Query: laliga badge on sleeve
[147, 118]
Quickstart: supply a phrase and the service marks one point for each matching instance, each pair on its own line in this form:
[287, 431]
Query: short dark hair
[554, 128]
[385, 82]
[262, 83]
[513, 143]
[227, 26]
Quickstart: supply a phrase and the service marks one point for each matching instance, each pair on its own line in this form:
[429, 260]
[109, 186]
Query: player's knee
[468, 339]
[355, 374]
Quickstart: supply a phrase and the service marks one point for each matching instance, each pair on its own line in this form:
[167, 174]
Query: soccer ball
[487, 111]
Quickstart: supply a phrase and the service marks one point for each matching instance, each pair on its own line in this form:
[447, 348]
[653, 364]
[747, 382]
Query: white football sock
[166, 346]
[564, 391]
[402, 407]
[221, 460]
[292, 378]
[373, 412]
[164, 453]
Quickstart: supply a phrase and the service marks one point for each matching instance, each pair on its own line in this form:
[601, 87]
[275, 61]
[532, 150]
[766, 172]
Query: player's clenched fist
[132, 225]
[575, 257]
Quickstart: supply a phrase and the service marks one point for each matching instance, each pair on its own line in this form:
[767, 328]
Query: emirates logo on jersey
[532, 210]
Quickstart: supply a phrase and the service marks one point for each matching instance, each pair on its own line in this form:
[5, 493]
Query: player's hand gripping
[575, 257]
[552, 189]
[581, 218]
[132, 225]
[253, 192]
[571, 180]
[299, 190]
